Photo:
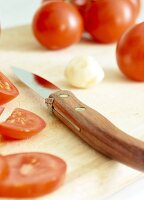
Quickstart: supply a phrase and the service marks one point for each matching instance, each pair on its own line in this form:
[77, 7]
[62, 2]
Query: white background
[19, 12]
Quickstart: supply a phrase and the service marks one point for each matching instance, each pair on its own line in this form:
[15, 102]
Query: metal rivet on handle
[63, 95]
[80, 109]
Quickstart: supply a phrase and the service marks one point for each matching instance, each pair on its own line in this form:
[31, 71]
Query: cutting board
[90, 175]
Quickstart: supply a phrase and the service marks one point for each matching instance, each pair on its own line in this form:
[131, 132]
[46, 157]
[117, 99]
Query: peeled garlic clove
[84, 72]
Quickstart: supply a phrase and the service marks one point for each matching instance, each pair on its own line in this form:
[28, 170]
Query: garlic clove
[84, 72]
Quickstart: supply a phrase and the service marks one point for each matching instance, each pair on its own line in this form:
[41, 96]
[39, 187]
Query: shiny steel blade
[40, 85]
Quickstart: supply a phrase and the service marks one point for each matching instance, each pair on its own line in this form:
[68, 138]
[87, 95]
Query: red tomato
[57, 25]
[3, 168]
[106, 20]
[7, 90]
[32, 175]
[81, 5]
[130, 53]
[22, 124]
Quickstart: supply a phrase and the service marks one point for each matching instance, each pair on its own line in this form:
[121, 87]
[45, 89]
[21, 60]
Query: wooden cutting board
[90, 175]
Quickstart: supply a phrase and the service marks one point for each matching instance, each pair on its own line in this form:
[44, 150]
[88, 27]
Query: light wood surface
[96, 130]
[90, 175]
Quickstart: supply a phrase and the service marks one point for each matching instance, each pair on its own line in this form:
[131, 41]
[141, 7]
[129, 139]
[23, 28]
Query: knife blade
[88, 124]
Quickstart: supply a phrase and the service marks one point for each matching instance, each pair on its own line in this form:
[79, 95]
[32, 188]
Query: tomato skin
[22, 124]
[106, 20]
[32, 175]
[7, 90]
[80, 2]
[130, 53]
[136, 5]
[57, 25]
[3, 168]
[81, 6]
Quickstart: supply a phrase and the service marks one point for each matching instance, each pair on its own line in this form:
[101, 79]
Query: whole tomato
[130, 53]
[57, 24]
[106, 20]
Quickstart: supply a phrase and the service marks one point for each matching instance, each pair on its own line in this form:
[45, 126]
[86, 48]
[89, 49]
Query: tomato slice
[7, 90]
[22, 124]
[3, 168]
[32, 175]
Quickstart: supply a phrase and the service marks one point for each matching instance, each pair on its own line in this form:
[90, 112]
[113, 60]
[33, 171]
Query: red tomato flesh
[3, 168]
[57, 25]
[32, 175]
[130, 53]
[22, 124]
[7, 90]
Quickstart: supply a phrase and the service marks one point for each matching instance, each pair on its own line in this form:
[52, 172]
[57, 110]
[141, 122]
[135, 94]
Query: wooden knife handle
[96, 130]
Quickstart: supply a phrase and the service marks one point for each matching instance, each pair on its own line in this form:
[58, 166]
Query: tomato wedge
[7, 90]
[32, 175]
[3, 168]
[22, 124]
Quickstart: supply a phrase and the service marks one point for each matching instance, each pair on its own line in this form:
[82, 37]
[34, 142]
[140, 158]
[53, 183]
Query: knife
[88, 124]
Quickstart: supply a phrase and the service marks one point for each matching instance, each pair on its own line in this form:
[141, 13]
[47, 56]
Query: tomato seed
[7, 86]
[26, 169]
